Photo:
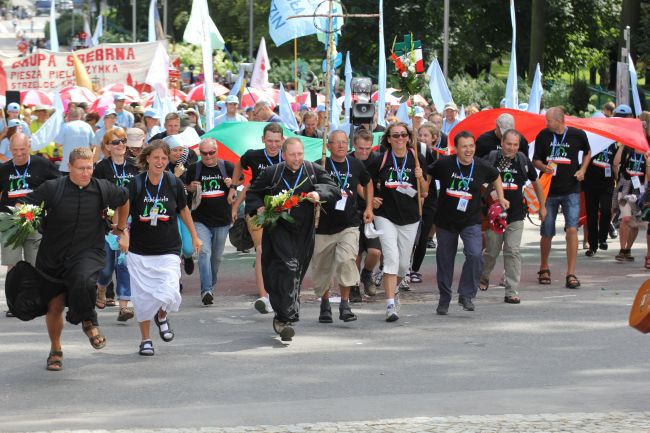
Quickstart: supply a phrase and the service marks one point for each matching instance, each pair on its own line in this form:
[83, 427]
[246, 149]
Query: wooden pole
[328, 76]
[416, 148]
[295, 66]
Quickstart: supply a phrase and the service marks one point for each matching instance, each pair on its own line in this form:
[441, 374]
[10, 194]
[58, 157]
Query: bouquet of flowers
[15, 227]
[408, 62]
[279, 206]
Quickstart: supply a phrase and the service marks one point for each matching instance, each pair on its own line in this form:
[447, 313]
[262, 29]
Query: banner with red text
[105, 63]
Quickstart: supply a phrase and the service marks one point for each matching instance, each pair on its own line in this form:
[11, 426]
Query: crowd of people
[365, 219]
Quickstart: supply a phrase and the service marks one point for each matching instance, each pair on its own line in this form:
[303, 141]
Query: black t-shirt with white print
[119, 174]
[632, 165]
[394, 179]
[214, 210]
[361, 202]
[456, 184]
[163, 238]
[18, 181]
[563, 150]
[257, 160]
[337, 216]
[600, 165]
[514, 181]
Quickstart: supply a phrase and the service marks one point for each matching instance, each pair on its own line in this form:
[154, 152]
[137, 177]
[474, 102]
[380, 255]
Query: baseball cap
[621, 109]
[232, 99]
[13, 107]
[418, 112]
[151, 113]
[172, 141]
[450, 106]
[134, 137]
[14, 122]
[109, 112]
[119, 97]
[505, 122]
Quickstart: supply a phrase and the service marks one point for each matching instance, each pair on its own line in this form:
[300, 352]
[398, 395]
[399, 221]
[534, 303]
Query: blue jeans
[570, 209]
[123, 286]
[214, 241]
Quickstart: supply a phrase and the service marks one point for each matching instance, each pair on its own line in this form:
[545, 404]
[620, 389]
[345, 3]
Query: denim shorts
[570, 209]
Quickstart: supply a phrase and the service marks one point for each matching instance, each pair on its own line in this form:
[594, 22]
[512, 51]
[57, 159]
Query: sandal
[167, 335]
[544, 276]
[55, 364]
[514, 299]
[97, 341]
[415, 277]
[483, 284]
[110, 302]
[125, 314]
[647, 262]
[572, 282]
[100, 302]
[146, 348]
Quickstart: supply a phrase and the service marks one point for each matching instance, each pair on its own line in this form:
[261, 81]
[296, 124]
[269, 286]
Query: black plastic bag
[28, 292]
[239, 236]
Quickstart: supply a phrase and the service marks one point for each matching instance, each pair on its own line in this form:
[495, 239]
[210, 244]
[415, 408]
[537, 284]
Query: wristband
[233, 186]
[121, 230]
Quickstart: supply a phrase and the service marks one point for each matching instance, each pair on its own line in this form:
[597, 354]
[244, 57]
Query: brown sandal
[97, 341]
[101, 298]
[483, 284]
[55, 364]
[544, 276]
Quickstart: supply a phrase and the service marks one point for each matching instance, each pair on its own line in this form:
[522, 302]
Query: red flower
[29, 216]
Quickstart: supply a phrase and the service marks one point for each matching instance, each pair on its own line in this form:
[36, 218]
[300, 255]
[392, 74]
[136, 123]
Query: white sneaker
[391, 314]
[263, 305]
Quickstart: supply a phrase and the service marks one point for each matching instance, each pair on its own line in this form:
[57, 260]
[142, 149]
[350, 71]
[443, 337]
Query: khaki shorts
[255, 231]
[335, 257]
[11, 256]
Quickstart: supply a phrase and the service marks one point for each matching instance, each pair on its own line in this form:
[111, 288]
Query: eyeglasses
[211, 153]
[116, 142]
[402, 135]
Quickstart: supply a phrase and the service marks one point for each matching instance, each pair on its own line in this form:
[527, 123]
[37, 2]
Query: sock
[390, 302]
[325, 302]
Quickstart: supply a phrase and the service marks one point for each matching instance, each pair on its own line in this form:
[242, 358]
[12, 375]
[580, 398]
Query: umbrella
[143, 88]
[177, 97]
[305, 98]
[253, 95]
[77, 94]
[102, 103]
[35, 97]
[198, 94]
[390, 99]
[125, 89]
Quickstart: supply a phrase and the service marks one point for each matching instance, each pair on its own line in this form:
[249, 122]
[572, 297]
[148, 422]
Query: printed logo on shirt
[559, 153]
[18, 186]
[124, 180]
[635, 167]
[211, 187]
[393, 181]
[508, 179]
[602, 160]
[160, 215]
[459, 187]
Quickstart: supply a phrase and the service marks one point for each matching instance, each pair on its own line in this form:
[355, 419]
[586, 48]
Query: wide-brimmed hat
[134, 137]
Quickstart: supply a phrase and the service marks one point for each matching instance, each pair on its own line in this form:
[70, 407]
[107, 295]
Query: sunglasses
[402, 135]
[116, 142]
[210, 153]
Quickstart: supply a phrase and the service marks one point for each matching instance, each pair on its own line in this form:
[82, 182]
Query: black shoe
[325, 313]
[442, 310]
[590, 253]
[613, 233]
[355, 294]
[431, 244]
[188, 265]
[207, 298]
[346, 314]
[467, 303]
[603, 246]
[9, 314]
[286, 331]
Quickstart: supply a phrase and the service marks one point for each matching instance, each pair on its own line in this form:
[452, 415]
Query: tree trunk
[536, 38]
[630, 13]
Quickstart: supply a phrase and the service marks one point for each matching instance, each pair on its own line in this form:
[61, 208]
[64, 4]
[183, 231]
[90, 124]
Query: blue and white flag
[461, 113]
[348, 87]
[153, 12]
[512, 96]
[236, 88]
[54, 37]
[99, 30]
[536, 92]
[50, 129]
[286, 113]
[282, 29]
[438, 86]
[381, 82]
[403, 114]
[633, 86]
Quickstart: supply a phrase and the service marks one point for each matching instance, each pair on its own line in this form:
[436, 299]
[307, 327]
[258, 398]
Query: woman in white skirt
[396, 206]
[157, 199]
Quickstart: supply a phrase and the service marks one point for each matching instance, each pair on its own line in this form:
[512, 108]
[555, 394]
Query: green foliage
[66, 27]
[191, 55]
[487, 90]
[579, 96]
[557, 94]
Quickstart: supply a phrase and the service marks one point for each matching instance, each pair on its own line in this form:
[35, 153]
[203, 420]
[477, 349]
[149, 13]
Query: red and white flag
[260, 78]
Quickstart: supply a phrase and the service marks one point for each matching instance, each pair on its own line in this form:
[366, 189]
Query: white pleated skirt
[154, 284]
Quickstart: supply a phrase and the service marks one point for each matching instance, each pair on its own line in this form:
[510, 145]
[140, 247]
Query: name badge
[608, 171]
[153, 214]
[340, 205]
[642, 189]
[462, 204]
[407, 189]
[636, 183]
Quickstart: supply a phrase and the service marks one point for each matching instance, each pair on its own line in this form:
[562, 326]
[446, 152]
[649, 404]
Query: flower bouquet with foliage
[16, 226]
[407, 58]
[279, 206]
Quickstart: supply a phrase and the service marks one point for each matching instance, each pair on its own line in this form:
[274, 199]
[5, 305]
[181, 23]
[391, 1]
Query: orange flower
[29, 216]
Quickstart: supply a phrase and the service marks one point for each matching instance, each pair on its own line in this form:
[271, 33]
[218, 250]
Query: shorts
[570, 209]
[255, 231]
[11, 256]
[335, 257]
[365, 244]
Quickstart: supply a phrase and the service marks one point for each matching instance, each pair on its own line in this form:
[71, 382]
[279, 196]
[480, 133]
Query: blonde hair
[80, 153]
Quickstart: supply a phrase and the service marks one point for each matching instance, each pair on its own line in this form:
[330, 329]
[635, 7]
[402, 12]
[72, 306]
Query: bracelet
[233, 186]
[121, 230]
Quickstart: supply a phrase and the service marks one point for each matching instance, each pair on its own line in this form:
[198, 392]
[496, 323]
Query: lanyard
[400, 173]
[295, 185]
[336, 172]
[24, 175]
[117, 175]
[269, 159]
[465, 180]
[638, 159]
[555, 144]
[146, 178]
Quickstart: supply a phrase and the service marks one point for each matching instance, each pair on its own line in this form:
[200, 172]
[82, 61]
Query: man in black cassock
[287, 248]
[71, 253]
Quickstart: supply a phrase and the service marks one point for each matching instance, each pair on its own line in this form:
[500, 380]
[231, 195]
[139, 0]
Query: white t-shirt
[224, 118]
[73, 134]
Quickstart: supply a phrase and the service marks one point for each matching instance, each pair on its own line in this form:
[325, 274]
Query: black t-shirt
[361, 202]
[119, 174]
[442, 146]
[599, 164]
[163, 238]
[513, 181]
[488, 141]
[455, 185]
[214, 210]
[257, 160]
[18, 181]
[399, 208]
[632, 164]
[562, 149]
[334, 220]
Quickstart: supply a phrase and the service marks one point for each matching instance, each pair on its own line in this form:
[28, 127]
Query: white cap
[232, 99]
[13, 107]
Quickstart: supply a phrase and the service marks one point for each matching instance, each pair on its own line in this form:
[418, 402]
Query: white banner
[105, 63]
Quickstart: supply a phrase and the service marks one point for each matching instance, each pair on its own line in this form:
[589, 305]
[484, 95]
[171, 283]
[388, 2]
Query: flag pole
[295, 66]
[328, 73]
[416, 153]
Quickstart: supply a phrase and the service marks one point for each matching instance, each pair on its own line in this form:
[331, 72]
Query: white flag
[286, 113]
[438, 86]
[461, 113]
[54, 37]
[158, 74]
[633, 85]
[50, 129]
[195, 30]
[152, 21]
[403, 114]
[512, 96]
[536, 92]
[348, 87]
[98, 31]
[260, 77]
[381, 82]
[89, 39]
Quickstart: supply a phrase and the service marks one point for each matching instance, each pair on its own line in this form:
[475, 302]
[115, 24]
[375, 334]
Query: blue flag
[283, 29]
[635, 89]
[286, 113]
[438, 86]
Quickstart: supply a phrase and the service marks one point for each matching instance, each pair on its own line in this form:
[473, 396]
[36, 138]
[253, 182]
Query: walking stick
[416, 148]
